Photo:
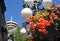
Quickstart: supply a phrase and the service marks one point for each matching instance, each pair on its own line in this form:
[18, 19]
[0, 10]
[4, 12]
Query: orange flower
[53, 15]
[41, 19]
[41, 25]
[47, 23]
[43, 31]
[40, 30]
[51, 21]
[32, 18]
[32, 25]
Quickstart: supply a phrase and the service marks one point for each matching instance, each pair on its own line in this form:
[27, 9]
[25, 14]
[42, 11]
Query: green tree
[16, 34]
[23, 38]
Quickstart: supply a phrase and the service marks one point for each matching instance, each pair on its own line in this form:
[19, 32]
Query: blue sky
[14, 7]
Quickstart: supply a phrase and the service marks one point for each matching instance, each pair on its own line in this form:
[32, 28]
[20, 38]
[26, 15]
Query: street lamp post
[30, 7]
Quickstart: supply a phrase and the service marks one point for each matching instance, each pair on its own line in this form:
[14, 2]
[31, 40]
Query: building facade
[11, 26]
[3, 30]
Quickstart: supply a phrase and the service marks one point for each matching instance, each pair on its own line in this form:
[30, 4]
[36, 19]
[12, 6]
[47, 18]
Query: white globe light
[29, 2]
[26, 13]
[46, 3]
[23, 31]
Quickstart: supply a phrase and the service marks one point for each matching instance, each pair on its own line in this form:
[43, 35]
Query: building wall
[3, 30]
[11, 26]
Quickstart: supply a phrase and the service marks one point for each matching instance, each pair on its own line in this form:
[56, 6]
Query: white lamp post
[47, 3]
[26, 13]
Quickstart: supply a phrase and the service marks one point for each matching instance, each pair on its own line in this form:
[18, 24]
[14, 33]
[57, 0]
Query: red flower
[32, 25]
[40, 30]
[32, 17]
[41, 25]
[43, 31]
[52, 15]
[41, 19]
[51, 21]
[47, 23]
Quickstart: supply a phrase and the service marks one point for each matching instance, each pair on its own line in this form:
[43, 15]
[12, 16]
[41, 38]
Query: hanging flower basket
[45, 25]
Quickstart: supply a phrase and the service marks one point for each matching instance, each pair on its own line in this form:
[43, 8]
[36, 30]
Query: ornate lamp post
[41, 27]
[29, 11]
[30, 7]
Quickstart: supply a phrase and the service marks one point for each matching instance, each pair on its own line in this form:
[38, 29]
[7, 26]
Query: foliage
[16, 34]
[24, 38]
